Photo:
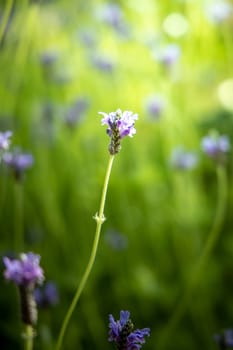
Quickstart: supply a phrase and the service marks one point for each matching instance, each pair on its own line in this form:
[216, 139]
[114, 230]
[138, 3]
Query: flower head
[168, 55]
[122, 334]
[224, 339]
[154, 106]
[18, 162]
[183, 160]
[24, 271]
[120, 124]
[76, 111]
[46, 296]
[215, 146]
[5, 140]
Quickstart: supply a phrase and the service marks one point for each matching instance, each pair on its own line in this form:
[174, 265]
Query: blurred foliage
[63, 61]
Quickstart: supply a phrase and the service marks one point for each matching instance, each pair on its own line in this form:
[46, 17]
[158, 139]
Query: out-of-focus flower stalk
[4, 22]
[18, 217]
[28, 335]
[100, 218]
[206, 252]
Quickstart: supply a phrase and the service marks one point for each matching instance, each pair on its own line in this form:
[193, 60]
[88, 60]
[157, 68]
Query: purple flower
[111, 14]
[120, 124]
[76, 111]
[48, 58]
[116, 240]
[224, 339]
[215, 146]
[5, 140]
[122, 334]
[154, 106]
[183, 160]
[24, 271]
[46, 296]
[105, 64]
[18, 162]
[168, 55]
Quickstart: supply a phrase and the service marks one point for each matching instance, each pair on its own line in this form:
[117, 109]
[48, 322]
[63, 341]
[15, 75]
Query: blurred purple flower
[48, 58]
[122, 334]
[219, 11]
[47, 295]
[18, 162]
[183, 160]
[24, 271]
[224, 339]
[5, 140]
[116, 240]
[154, 106]
[215, 146]
[111, 14]
[76, 111]
[102, 63]
[87, 37]
[168, 55]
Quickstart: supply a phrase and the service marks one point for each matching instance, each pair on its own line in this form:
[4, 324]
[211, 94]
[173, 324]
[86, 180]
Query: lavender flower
[116, 240]
[104, 64]
[111, 14]
[18, 162]
[154, 106]
[120, 124]
[76, 111]
[215, 146]
[224, 339]
[168, 55]
[5, 140]
[122, 334]
[48, 58]
[24, 271]
[183, 160]
[47, 295]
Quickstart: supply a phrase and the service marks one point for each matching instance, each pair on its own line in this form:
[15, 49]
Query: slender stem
[29, 335]
[5, 19]
[18, 229]
[99, 217]
[207, 250]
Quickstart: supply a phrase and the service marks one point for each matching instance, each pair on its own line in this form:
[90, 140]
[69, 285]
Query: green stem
[99, 217]
[207, 250]
[29, 335]
[5, 19]
[18, 220]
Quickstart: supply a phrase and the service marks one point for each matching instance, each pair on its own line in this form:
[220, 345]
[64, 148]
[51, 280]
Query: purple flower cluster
[224, 339]
[215, 146]
[122, 334]
[182, 159]
[155, 106]
[24, 271]
[18, 162]
[168, 55]
[123, 121]
[46, 296]
[120, 124]
[76, 111]
[5, 140]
